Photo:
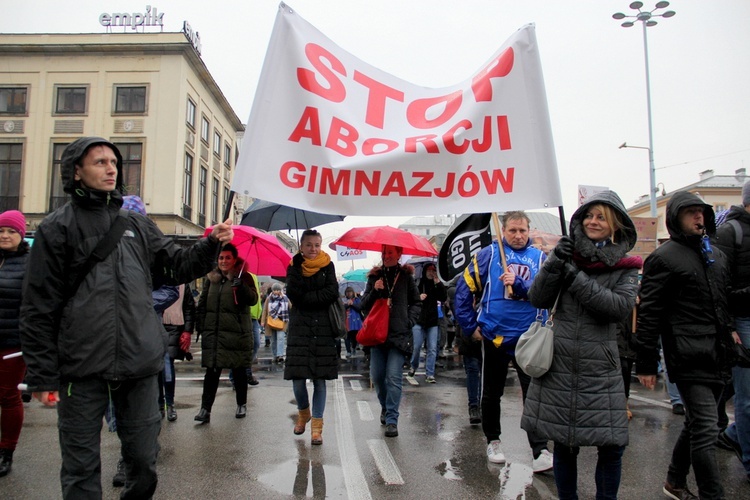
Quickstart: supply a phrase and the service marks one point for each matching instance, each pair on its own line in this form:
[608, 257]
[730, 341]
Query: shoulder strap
[737, 232]
[103, 248]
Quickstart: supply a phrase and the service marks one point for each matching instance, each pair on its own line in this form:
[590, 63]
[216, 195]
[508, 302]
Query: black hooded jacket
[108, 329]
[738, 259]
[683, 299]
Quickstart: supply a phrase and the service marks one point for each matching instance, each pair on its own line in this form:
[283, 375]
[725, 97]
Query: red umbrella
[262, 252]
[373, 238]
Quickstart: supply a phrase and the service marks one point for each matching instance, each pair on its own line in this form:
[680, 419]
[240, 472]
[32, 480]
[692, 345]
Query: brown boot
[302, 419]
[316, 431]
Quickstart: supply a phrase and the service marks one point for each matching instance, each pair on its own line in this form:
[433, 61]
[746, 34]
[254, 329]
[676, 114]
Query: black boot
[6, 460]
[203, 416]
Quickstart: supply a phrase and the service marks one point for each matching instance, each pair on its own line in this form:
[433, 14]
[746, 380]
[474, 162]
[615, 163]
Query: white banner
[344, 253]
[330, 133]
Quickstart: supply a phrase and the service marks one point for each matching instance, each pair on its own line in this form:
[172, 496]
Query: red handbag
[374, 329]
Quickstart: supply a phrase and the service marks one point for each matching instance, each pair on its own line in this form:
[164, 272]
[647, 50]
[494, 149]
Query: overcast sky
[593, 69]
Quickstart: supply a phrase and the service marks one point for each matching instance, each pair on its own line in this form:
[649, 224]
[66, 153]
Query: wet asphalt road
[437, 454]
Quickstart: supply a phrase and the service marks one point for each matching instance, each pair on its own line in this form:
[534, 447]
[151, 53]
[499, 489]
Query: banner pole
[562, 220]
[501, 246]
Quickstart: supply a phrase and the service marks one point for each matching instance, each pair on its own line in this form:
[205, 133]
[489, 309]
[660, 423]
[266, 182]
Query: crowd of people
[612, 313]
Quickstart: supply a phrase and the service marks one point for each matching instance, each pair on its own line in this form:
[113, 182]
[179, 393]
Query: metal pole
[652, 170]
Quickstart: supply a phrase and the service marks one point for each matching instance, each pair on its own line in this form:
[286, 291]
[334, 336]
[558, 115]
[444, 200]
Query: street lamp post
[647, 19]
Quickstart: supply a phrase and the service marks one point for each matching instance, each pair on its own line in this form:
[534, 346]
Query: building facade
[148, 93]
[719, 191]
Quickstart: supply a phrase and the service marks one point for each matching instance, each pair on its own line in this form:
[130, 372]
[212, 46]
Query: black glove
[569, 273]
[564, 248]
[236, 282]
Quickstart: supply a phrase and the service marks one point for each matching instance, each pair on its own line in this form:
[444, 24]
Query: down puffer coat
[580, 401]
[223, 319]
[311, 343]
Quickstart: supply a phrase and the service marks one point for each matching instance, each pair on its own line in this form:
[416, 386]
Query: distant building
[720, 191]
[148, 93]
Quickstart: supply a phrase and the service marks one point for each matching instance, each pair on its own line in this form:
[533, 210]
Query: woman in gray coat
[580, 401]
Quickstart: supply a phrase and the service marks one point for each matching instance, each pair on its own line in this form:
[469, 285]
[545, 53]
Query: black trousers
[80, 411]
[494, 374]
[211, 385]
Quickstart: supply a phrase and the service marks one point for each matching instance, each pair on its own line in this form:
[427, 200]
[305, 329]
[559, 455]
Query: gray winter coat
[580, 401]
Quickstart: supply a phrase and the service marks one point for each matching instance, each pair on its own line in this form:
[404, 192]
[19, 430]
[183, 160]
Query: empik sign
[134, 20]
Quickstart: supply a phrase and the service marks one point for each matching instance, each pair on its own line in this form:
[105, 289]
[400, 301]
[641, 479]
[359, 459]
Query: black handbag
[337, 316]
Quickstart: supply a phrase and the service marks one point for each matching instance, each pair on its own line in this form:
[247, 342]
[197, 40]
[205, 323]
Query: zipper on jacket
[118, 331]
[218, 316]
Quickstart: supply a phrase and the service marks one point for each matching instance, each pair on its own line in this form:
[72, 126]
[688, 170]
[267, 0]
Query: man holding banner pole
[492, 308]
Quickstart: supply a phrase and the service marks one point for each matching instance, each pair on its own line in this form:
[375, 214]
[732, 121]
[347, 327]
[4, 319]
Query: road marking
[412, 380]
[354, 478]
[384, 461]
[356, 385]
[651, 401]
[365, 413]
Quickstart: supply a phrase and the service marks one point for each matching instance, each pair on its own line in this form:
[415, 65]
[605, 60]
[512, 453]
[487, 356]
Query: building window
[130, 100]
[215, 201]
[10, 175]
[70, 100]
[13, 100]
[227, 154]
[205, 127]
[202, 191]
[217, 143]
[226, 195]
[131, 166]
[57, 196]
[719, 207]
[190, 115]
[187, 188]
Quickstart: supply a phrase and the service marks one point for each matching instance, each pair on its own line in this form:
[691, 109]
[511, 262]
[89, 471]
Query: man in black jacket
[89, 334]
[733, 238]
[683, 299]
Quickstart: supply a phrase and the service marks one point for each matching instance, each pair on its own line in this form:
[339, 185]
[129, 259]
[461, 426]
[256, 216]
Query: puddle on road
[305, 478]
[514, 479]
[450, 470]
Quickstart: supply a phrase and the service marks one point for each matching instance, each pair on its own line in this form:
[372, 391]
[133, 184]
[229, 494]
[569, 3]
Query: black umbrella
[275, 217]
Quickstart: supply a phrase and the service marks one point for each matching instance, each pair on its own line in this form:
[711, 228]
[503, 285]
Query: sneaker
[678, 409]
[475, 417]
[430, 380]
[728, 443]
[495, 453]
[118, 479]
[678, 493]
[391, 430]
[411, 372]
[253, 381]
[542, 463]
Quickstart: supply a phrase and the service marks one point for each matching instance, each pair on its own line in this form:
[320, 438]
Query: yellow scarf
[312, 266]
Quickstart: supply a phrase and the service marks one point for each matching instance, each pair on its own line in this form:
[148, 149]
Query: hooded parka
[223, 319]
[683, 299]
[108, 329]
[580, 401]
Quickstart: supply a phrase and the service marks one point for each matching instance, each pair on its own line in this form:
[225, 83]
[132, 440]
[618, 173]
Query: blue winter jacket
[497, 313]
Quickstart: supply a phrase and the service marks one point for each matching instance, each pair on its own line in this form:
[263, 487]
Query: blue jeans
[672, 392]
[319, 395]
[696, 445]
[607, 475]
[739, 431]
[278, 341]
[386, 373]
[256, 338]
[472, 366]
[431, 334]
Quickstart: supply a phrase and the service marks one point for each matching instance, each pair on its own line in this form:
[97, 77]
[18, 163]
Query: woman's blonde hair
[611, 216]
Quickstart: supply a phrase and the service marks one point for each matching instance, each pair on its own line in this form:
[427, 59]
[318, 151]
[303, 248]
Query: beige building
[149, 93]
[720, 191]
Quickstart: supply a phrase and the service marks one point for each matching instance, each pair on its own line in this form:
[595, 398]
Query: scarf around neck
[312, 266]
